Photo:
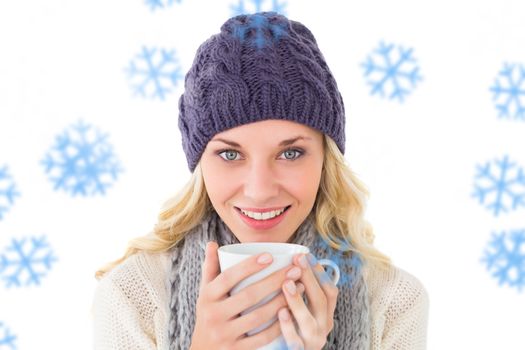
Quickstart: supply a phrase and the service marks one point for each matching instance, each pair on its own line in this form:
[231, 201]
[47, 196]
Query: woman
[263, 130]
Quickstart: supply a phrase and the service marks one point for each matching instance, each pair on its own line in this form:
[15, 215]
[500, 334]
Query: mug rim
[226, 248]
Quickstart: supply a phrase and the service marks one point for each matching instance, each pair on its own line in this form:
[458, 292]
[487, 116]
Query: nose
[260, 183]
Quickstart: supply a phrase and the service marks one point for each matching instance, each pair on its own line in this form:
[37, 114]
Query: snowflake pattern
[509, 91]
[391, 70]
[8, 191]
[26, 261]
[258, 25]
[154, 73]
[82, 161]
[504, 257]
[254, 6]
[159, 4]
[500, 185]
[7, 339]
[345, 263]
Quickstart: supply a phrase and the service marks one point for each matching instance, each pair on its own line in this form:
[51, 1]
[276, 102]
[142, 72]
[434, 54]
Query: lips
[263, 224]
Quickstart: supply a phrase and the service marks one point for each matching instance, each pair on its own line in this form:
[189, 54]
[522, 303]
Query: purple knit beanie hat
[260, 66]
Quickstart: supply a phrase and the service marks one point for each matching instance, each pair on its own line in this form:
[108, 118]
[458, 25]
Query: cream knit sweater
[130, 307]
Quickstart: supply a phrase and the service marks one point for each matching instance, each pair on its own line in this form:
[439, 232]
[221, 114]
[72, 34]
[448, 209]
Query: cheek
[219, 186]
[303, 184]
[212, 181]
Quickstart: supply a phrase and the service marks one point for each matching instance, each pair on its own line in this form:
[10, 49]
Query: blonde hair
[338, 211]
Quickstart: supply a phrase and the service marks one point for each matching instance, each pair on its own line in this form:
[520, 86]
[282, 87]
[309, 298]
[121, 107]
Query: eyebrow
[282, 143]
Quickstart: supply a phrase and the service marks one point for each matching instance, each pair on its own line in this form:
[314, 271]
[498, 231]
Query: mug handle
[334, 266]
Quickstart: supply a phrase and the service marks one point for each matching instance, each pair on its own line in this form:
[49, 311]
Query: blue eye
[230, 154]
[289, 154]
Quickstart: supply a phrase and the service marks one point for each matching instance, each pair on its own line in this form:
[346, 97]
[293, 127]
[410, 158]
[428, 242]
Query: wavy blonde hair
[338, 211]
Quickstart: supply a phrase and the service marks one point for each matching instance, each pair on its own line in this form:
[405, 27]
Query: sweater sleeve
[406, 317]
[117, 323]
[124, 310]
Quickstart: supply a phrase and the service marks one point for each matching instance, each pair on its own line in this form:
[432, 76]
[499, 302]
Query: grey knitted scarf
[351, 319]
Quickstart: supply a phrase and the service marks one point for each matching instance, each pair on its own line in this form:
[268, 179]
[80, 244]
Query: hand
[218, 323]
[316, 320]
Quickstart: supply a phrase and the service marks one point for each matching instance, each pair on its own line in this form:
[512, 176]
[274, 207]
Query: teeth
[263, 216]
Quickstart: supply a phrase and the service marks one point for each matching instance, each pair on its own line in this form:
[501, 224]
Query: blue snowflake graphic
[7, 340]
[255, 6]
[391, 70]
[82, 161]
[260, 24]
[509, 91]
[500, 185]
[159, 4]
[8, 191]
[504, 257]
[154, 73]
[343, 260]
[26, 261]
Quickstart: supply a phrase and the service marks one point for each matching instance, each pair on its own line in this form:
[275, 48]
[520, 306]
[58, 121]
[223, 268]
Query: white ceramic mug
[282, 254]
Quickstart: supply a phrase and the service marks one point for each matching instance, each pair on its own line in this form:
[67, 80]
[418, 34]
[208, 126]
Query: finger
[292, 339]
[261, 291]
[300, 288]
[230, 277]
[306, 321]
[317, 299]
[210, 269]
[330, 290]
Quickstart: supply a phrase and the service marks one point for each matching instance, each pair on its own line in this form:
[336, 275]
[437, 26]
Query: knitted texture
[351, 318]
[405, 320]
[131, 306]
[260, 66]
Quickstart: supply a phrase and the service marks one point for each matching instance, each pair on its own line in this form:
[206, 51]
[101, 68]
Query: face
[261, 168]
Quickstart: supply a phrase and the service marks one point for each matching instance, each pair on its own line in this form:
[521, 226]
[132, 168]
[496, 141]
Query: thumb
[211, 268]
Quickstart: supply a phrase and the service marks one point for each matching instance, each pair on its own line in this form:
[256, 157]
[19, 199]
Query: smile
[263, 221]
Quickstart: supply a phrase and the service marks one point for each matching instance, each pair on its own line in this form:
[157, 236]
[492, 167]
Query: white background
[61, 61]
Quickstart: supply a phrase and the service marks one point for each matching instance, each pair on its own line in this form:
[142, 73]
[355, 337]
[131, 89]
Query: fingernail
[312, 259]
[294, 273]
[264, 259]
[290, 287]
[284, 315]
[303, 262]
